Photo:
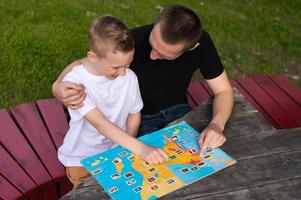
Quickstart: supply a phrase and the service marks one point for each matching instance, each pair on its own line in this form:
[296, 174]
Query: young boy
[110, 114]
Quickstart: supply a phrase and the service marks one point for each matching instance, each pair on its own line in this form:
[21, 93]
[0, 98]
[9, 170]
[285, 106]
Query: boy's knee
[77, 175]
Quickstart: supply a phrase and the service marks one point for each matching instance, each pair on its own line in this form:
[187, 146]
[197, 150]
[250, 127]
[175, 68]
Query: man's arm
[70, 94]
[133, 124]
[213, 135]
[118, 136]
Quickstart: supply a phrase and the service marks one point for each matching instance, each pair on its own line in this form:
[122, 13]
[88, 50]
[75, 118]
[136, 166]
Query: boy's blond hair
[109, 34]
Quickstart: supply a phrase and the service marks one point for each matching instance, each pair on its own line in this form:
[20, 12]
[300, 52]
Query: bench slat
[197, 92]
[33, 128]
[50, 192]
[287, 86]
[206, 87]
[10, 135]
[283, 119]
[53, 115]
[255, 104]
[8, 191]
[285, 101]
[191, 103]
[65, 186]
[14, 173]
[36, 195]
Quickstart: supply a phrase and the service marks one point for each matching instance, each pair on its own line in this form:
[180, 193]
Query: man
[166, 55]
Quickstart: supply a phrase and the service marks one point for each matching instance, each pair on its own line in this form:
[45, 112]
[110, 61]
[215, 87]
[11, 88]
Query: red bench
[30, 134]
[277, 99]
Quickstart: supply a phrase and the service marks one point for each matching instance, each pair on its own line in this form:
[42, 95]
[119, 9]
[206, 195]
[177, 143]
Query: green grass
[38, 38]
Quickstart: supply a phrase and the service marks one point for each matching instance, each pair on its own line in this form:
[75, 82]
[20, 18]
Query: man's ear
[91, 56]
[195, 46]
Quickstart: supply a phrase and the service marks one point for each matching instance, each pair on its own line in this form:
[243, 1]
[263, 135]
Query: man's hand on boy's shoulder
[70, 94]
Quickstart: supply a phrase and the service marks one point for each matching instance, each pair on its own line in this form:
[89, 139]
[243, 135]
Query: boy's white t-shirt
[116, 99]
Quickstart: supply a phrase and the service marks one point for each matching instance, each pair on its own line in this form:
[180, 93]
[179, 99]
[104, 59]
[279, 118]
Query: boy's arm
[70, 94]
[118, 136]
[133, 124]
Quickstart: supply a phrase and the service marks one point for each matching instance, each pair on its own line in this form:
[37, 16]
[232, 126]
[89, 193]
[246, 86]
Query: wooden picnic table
[268, 160]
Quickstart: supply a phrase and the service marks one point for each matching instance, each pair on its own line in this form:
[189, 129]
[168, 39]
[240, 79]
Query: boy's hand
[211, 137]
[153, 155]
[70, 94]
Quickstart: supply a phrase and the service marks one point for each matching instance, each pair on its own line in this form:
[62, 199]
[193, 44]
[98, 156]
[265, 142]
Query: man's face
[162, 50]
[114, 64]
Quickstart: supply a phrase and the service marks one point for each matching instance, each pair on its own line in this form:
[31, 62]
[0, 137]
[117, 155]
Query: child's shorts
[77, 175]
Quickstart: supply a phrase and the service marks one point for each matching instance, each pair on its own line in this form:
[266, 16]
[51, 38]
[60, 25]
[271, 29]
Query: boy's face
[114, 64]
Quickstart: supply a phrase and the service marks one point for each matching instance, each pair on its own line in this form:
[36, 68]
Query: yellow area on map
[96, 162]
[158, 180]
[183, 157]
[118, 165]
[176, 131]
[227, 161]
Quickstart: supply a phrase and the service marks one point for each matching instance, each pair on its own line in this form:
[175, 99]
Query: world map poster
[124, 175]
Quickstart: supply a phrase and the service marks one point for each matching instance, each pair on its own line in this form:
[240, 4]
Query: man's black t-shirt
[163, 83]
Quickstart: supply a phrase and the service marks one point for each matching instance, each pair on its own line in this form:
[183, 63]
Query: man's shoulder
[205, 37]
[141, 34]
[144, 28]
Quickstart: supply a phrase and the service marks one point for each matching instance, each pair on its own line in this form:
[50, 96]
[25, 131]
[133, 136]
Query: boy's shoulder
[130, 74]
[76, 74]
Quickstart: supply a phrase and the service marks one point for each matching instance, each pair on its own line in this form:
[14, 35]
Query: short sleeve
[88, 103]
[210, 62]
[137, 103]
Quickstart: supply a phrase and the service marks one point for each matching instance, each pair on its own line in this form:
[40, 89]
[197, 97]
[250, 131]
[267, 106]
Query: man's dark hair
[179, 24]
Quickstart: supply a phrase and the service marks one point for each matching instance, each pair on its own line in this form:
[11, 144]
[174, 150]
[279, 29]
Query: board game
[123, 175]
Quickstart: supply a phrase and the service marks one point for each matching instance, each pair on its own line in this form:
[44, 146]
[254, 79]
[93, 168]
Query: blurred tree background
[38, 38]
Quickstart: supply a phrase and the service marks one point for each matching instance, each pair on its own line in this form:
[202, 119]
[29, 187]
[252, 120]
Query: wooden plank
[287, 86]
[10, 169]
[255, 103]
[206, 86]
[36, 195]
[50, 192]
[244, 119]
[197, 92]
[65, 187]
[191, 102]
[7, 190]
[235, 126]
[285, 102]
[88, 191]
[247, 173]
[54, 118]
[263, 158]
[263, 143]
[285, 189]
[33, 128]
[240, 107]
[271, 107]
[10, 135]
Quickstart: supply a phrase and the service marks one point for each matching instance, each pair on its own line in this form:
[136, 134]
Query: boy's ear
[195, 46]
[91, 56]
